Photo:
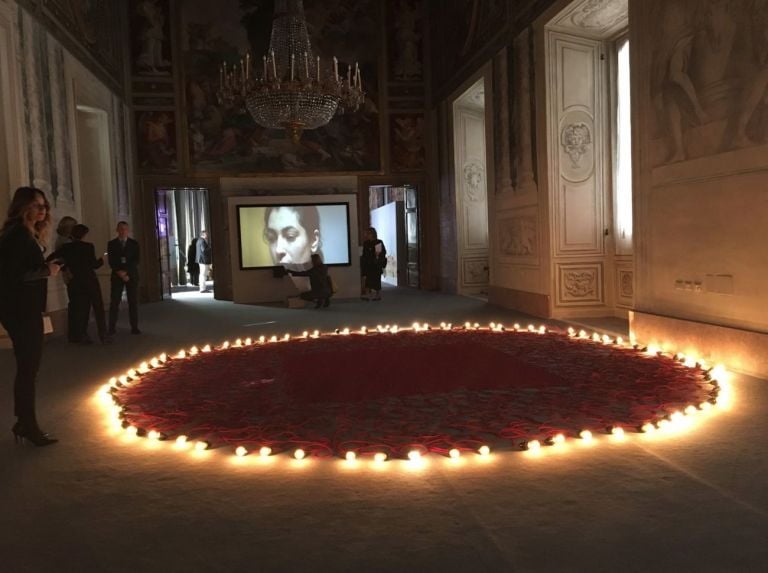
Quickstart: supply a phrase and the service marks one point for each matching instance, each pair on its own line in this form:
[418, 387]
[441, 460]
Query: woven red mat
[392, 392]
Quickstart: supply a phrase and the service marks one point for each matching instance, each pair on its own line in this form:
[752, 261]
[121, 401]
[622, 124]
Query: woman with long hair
[372, 264]
[23, 286]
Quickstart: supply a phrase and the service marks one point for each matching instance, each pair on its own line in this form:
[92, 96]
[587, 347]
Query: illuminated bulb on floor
[467, 325]
[131, 373]
[316, 334]
[143, 367]
[414, 455]
[619, 341]
[596, 337]
[299, 454]
[154, 363]
[477, 325]
[416, 327]
[534, 445]
[225, 344]
[265, 451]
[652, 350]
[442, 325]
[531, 328]
[690, 410]
[582, 334]
[648, 428]
[585, 435]
[153, 435]
[484, 450]
[454, 453]
[207, 348]
[394, 329]
[571, 331]
[345, 332]
[201, 446]
[542, 329]
[664, 424]
[193, 350]
[113, 381]
[286, 336]
[181, 441]
[719, 372]
[131, 430]
[350, 456]
[492, 325]
[676, 416]
[305, 334]
[273, 339]
[262, 339]
[163, 357]
[380, 457]
[618, 432]
[606, 339]
[241, 451]
[516, 326]
[238, 342]
[363, 330]
[558, 439]
[248, 341]
[181, 354]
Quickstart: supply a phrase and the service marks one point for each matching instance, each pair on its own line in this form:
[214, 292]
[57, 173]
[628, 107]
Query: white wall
[259, 286]
[384, 220]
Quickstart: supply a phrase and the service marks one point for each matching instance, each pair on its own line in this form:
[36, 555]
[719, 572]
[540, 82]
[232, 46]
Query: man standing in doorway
[123, 256]
[203, 259]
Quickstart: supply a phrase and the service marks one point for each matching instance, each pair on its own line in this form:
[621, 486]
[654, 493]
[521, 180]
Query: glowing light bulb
[442, 325]
[558, 439]
[619, 341]
[240, 451]
[299, 454]
[153, 435]
[534, 445]
[143, 367]
[305, 334]
[690, 410]
[618, 432]
[571, 331]
[585, 435]
[201, 445]
[596, 337]
[132, 430]
[193, 350]
[131, 373]
[477, 325]
[394, 329]
[652, 350]
[225, 344]
[455, 454]
[163, 357]
[363, 330]
[181, 354]
[531, 328]
[492, 325]
[286, 336]
[415, 326]
[542, 329]
[606, 339]
[719, 373]
[181, 441]
[648, 428]
[676, 416]
[123, 380]
[345, 332]
[207, 348]
[705, 406]
[350, 456]
[113, 381]
[516, 326]
[467, 325]
[154, 362]
[316, 334]
[484, 450]
[380, 457]
[664, 424]
[582, 334]
[414, 455]
[265, 451]
[273, 339]
[262, 339]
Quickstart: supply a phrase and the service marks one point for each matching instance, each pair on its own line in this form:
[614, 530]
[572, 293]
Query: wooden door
[164, 255]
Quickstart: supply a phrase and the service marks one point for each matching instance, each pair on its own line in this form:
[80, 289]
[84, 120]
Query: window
[623, 152]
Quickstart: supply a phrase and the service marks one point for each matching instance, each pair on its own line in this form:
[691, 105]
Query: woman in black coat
[372, 264]
[23, 287]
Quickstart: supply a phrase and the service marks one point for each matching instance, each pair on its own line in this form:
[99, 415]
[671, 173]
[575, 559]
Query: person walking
[64, 236]
[192, 267]
[84, 290]
[203, 259]
[23, 286]
[372, 264]
[123, 256]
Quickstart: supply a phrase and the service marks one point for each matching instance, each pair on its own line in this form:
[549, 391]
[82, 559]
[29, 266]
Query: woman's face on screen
[289, 242]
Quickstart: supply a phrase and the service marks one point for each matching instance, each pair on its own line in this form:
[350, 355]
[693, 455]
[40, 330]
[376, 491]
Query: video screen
[288, 235]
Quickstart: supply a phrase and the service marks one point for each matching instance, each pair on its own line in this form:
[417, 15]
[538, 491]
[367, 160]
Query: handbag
[47, 324]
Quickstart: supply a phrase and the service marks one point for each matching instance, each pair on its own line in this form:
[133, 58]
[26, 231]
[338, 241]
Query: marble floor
[689, 501]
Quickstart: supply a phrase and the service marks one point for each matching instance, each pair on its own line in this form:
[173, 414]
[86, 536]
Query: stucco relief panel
[579, 284]
[517, 234]
[475, 271]
[577, 150]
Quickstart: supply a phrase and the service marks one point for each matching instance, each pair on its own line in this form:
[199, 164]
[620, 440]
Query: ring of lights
[392, 392]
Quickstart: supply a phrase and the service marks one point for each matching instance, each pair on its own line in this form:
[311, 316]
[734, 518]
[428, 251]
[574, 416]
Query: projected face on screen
[289, 234]
[292, 233]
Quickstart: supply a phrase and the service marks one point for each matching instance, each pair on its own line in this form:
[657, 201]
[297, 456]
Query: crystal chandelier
[292, 92]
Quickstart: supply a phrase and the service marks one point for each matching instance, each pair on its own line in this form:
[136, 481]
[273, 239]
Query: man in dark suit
[192, 267]
[203, 258]
[123, 256]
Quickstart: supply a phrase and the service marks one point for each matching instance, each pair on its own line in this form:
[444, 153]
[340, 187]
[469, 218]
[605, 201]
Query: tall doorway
[470, 161]
[394, 213]
[182, 214]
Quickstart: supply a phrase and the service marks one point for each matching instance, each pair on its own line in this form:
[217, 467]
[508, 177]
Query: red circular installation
[431, 391]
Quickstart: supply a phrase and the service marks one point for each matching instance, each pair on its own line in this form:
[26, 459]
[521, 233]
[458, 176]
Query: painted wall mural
[709, 83]
[156, 136]
[226, 139]
[405, 40]
[45, 110]
[90, 29]
[150, 37]
[407, 136]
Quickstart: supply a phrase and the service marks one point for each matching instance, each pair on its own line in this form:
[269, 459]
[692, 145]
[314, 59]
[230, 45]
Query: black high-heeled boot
[34, 435]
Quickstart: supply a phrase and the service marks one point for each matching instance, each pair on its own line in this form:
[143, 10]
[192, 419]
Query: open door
[412, 236]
